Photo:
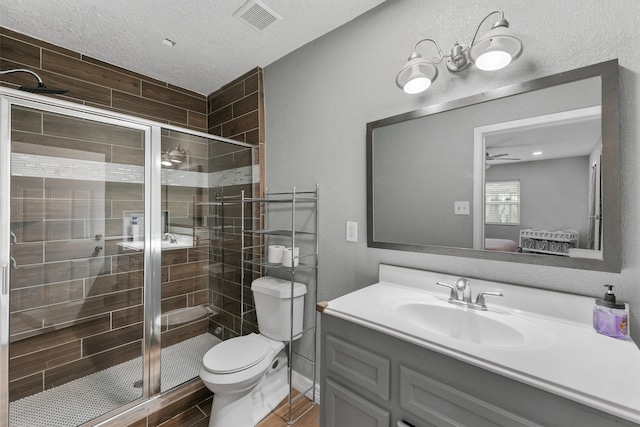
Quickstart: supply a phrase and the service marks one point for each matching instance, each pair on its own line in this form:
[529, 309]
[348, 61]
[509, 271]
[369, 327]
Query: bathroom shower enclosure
[108, 257]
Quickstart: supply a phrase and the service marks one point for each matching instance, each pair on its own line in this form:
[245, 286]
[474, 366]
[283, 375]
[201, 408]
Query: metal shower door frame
[5, 254]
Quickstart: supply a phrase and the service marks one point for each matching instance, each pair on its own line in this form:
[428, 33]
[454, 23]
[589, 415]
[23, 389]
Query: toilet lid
[236, 354]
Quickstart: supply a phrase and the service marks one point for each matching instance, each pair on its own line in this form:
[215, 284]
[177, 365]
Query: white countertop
[562, 353]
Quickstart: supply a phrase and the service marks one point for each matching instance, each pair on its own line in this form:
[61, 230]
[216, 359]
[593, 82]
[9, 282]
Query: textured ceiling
[212, 47]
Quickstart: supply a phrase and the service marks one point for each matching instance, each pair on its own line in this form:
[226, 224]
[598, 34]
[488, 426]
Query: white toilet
[248, 374]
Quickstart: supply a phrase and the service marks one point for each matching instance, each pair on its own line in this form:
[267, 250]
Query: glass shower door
[76, 341]
[186, 242]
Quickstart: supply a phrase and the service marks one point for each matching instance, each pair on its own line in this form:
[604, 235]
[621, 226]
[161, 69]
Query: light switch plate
[352, 231]
[461, 208]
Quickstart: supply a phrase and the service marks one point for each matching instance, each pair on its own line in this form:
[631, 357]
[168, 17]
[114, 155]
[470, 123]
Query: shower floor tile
[84, 399]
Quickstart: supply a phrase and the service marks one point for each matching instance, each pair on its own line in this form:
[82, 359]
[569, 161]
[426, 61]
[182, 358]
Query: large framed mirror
[526, 173]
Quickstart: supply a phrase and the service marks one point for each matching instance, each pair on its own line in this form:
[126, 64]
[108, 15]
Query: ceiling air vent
[257, 14]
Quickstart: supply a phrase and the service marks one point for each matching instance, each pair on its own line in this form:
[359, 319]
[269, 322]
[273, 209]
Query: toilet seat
[236, 354]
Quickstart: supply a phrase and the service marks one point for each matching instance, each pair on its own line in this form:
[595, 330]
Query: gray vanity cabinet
[371, 379]
[356, 393]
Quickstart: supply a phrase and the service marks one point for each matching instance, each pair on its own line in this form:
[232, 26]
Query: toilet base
[246, 409]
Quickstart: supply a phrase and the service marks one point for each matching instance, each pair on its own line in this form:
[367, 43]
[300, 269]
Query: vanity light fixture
[494, 50]
[537, 153]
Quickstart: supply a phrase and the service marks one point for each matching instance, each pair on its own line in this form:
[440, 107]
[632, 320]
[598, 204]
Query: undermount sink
[478, 327]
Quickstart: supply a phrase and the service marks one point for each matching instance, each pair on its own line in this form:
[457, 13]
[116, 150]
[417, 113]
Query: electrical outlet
[461, 208]
[352, 231]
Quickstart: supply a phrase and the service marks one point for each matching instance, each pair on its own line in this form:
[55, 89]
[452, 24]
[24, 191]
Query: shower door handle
[5, 279]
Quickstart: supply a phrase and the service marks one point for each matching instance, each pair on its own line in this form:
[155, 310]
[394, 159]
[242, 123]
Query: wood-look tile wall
[235, 111]
[225, 283]
[225, 278]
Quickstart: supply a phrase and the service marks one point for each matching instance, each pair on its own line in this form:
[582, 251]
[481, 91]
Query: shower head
[41, 88]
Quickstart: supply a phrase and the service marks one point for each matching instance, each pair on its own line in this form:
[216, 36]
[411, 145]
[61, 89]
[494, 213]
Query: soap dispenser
[609, 317]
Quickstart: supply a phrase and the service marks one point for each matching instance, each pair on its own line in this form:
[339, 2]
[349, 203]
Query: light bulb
[417, 85]
[417, 75]
[493, 60]
[417, 81]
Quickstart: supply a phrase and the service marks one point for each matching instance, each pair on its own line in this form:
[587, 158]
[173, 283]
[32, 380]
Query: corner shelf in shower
[305, 237]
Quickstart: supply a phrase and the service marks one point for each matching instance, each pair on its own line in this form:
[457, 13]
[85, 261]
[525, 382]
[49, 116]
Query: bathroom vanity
[397, 353]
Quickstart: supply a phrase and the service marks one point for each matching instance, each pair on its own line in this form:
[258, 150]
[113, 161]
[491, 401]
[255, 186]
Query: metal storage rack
[294, 234]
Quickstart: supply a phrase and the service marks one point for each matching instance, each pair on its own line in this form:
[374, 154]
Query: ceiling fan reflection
[499, 157]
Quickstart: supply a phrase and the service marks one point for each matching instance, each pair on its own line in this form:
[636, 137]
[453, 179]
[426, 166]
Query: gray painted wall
[319, 98]
[554, 195]
[420, 172]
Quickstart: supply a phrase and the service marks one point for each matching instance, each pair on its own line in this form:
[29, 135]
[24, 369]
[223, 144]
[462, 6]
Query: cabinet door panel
[443, 405]
[343, 408]
[359, 366]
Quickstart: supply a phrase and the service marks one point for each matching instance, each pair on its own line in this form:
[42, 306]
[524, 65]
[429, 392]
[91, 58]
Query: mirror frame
[611, 253]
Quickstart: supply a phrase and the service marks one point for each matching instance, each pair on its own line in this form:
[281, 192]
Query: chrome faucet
[171, 236]
[480, 299]
[461, 294]
[463, 286]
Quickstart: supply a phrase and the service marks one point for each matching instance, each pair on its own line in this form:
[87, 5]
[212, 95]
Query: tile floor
[86, 398]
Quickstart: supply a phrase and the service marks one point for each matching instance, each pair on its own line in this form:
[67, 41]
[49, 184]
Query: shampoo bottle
[609, 317]
[135, 229]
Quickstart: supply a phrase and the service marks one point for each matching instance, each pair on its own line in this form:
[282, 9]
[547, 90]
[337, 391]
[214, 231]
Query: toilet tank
[273, 307]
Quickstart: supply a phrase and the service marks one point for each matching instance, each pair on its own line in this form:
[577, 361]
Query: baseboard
[300, 382]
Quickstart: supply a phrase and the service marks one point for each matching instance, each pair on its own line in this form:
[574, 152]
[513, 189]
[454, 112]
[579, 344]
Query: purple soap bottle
[610, 318]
